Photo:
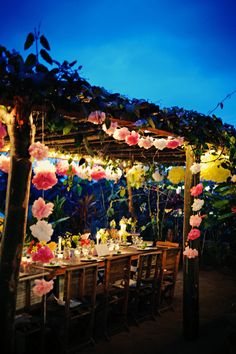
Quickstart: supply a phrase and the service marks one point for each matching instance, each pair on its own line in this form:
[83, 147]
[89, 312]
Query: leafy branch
[221, 104]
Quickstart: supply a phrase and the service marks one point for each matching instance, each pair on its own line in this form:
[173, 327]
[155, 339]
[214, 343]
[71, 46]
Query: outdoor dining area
[103, 199]
[92, 296]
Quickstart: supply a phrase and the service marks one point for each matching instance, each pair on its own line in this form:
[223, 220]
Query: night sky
[170, 52]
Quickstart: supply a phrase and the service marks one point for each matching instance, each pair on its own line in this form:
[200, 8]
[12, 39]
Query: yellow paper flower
[211, 169]
[136, 176]
[176, 174]
[52, 245]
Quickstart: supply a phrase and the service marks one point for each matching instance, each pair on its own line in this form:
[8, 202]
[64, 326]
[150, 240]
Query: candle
[97, 238]
[59, 244]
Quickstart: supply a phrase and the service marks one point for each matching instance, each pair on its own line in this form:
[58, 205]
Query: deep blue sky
[173, 53]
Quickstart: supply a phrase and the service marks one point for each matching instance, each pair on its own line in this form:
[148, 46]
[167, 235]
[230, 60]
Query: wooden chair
[144, 292]
[72, 318]
[117, 273]
[169, 272]
[29, 325]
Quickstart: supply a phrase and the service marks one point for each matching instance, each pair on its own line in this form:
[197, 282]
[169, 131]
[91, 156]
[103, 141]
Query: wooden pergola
[67, 104]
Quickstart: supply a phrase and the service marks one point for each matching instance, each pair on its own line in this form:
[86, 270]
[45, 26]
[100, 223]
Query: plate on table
[51, 265]
[126, 244]
[146, 248]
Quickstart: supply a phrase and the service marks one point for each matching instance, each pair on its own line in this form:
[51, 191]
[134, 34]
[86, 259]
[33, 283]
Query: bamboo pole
[21, 133]
[190, 266]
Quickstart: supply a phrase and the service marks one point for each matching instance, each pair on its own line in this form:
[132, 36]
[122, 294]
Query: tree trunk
[130, 200]
[190, 266]
[21, 133]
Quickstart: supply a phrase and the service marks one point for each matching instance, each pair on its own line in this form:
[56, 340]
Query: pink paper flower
[121, 133]
[5, 163]
[42, 287]
[41, 210]
[44, 180]
[42, 230]
[97, 117]
[62, 168]
[190, 253]
[132, 138]
[195, 220]
[38, 151]
[172, 144]
[110, 131]
[98, 173]
[196, 190]
[43, 254]
[194, 234]
[146, 143]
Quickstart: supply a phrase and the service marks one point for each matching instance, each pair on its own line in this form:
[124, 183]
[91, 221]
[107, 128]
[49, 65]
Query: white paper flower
[42, 166]
[195, 168]
[157, 176]
[113, 175]
[42, 230]
[197, 204]
[160, 144]
[84, 172]
[233, 178]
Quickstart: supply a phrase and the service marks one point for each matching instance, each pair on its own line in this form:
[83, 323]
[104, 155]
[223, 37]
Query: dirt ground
[217, 333]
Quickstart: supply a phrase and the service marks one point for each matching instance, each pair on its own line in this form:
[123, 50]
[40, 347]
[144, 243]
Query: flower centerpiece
[41, 251]
[124, 222]
[103, 235]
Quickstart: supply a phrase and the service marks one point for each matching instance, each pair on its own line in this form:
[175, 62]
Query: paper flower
[146, 143]
[63, 168]
[97, 117]
[211, 168]
[42, 230]
[44, 180]
[42, 287]
[190, 253]
[132, 138]
[136, 176]
[113, 175]
[157, 176]
[38, 151]
[5, 163]
[172, 144]
[98, 173]
[233, 209]
[121, 133]
[42, 166]
[176, 174]
[233, 178]
[195, 168]
[196, 190]
[110, 131]
[197, 204]
[84, 172]
[41, 210]
[194, 234]
[195, 220]
[160, 144]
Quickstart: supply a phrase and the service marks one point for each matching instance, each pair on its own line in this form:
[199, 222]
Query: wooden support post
[190, 266]
[21, 133]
